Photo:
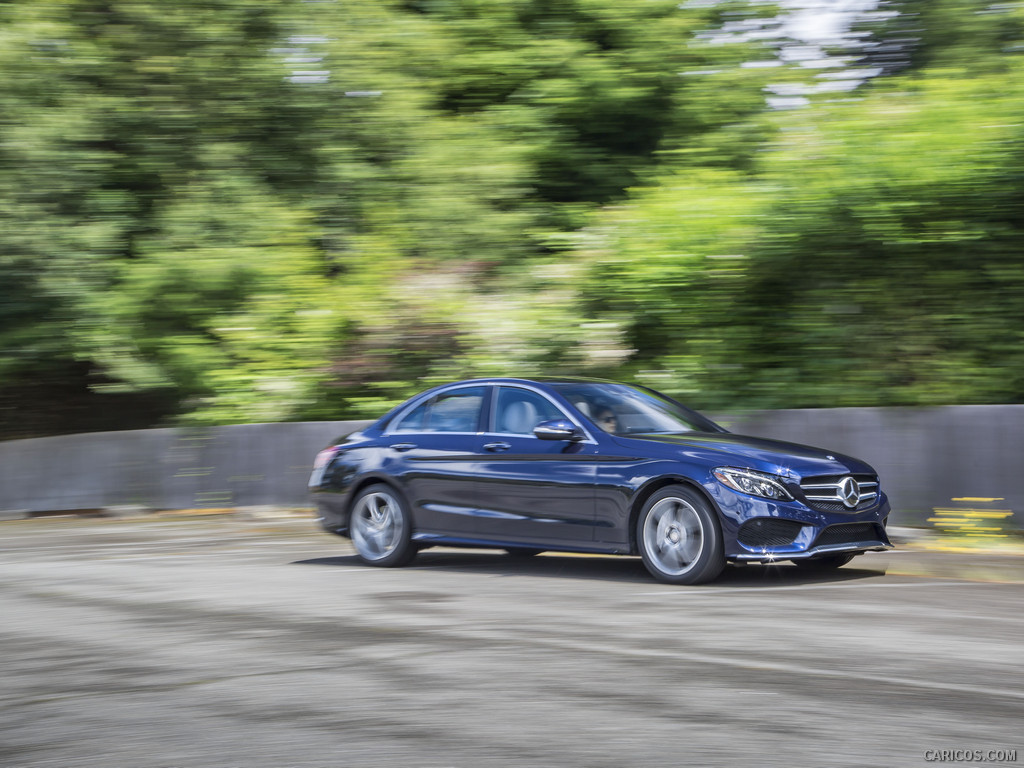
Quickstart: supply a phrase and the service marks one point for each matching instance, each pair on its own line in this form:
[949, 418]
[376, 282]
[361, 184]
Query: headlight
[755, 483]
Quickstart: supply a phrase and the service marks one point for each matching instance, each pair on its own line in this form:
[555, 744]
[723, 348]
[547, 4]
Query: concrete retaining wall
[246, 465]
[926, 459]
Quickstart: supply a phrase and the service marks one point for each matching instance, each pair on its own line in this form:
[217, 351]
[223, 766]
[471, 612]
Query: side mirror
[558, 429]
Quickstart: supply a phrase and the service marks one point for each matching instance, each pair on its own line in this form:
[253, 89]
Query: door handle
[497, 447]
[404, 446]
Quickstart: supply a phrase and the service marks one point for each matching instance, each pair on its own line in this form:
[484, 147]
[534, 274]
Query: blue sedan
[583, 465]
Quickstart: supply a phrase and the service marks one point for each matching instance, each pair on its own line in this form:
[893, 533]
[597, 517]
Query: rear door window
[456, 410]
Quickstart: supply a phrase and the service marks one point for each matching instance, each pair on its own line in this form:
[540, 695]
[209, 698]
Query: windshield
[623, 410]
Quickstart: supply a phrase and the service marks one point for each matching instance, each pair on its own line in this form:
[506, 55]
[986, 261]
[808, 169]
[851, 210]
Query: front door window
[517, 411]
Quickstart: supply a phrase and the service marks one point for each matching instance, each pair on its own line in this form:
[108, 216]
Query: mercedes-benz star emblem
[849, 492]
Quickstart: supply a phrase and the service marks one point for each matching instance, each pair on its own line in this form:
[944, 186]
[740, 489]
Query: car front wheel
[679, 537]
[382, 527]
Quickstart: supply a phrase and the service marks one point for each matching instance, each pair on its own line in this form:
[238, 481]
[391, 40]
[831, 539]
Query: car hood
[726, 449]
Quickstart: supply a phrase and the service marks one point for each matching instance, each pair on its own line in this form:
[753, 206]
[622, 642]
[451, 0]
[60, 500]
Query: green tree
[872, 257]
[227, 211]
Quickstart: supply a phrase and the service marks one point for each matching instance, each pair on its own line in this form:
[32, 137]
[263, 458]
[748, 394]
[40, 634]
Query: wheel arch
[374, 479]
[653, 486]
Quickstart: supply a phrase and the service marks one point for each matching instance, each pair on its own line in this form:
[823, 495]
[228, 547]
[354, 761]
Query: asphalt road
[219, 643]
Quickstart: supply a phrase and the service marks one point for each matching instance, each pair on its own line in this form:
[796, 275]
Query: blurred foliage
[218, 211]
[873, 257]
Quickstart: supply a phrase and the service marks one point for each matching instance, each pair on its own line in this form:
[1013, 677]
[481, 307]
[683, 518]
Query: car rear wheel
[679, 537]
[829, 563]
[382, 527]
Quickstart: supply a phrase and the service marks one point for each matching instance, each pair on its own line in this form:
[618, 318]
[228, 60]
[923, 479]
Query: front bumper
[807, 554]
[763, 531]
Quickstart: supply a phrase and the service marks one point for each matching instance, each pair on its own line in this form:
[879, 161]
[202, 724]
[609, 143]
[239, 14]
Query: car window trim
[697, 415]
[391, 430]
[492, 416]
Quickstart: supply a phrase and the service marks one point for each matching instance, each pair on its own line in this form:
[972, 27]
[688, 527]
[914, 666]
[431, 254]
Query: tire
[679, 537]
[829, 563]
[381, 527]
[522, 553]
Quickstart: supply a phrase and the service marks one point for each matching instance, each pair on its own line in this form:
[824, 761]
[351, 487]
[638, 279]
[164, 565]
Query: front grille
[835, 506]
[769, 532]
[832, 493]
[848, 533]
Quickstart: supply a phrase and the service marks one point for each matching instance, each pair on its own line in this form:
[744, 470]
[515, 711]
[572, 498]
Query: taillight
[324, 457]
[320, 465]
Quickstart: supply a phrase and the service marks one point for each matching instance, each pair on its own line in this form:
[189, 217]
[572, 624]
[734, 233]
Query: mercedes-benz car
[583, 465]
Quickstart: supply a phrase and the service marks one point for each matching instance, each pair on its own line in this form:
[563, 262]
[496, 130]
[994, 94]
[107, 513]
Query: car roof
[534, 380]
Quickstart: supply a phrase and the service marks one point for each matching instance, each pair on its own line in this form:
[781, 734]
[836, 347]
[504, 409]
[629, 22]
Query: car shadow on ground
[606, 568]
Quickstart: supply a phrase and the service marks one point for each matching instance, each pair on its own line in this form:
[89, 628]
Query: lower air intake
[848, 533]
[769, 532]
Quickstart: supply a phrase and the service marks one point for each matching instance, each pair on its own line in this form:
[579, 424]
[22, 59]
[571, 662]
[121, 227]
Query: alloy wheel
[378, 525]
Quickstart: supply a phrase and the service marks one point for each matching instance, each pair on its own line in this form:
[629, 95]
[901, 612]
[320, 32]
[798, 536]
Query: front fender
[623, 485]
